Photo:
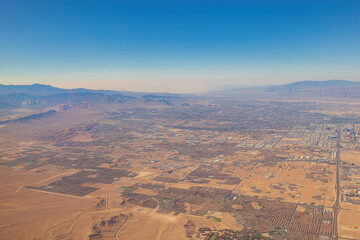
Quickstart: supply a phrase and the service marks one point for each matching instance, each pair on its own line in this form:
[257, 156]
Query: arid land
[206, 168]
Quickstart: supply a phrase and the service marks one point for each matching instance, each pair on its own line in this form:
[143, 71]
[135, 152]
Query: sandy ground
[349, 224]
[28, 214]
[351, 156]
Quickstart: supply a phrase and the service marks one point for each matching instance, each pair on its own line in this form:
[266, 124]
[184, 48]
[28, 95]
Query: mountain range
[309, 86]
[39, 94]
[342, 90]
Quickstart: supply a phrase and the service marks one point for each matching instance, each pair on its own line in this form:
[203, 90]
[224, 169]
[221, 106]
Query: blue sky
[177, 46]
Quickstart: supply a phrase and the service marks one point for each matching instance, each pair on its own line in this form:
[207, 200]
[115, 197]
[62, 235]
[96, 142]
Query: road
[336, 206]
[118, 230]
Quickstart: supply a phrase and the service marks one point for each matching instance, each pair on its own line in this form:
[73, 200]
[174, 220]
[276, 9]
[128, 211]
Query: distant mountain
[74, 98]
[312, 85]
[35, 89]
[318, 89]
[38, 94]
[341, 90]
[41, 89]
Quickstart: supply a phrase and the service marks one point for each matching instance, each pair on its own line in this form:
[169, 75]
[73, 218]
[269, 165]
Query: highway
[336, 206]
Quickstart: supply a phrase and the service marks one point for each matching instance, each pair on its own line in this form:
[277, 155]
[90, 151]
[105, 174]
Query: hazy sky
[177, 46]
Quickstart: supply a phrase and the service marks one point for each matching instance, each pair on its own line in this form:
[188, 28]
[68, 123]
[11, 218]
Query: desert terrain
[180, 168]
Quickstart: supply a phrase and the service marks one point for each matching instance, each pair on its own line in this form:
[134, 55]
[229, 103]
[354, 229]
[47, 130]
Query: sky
[177, 46]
